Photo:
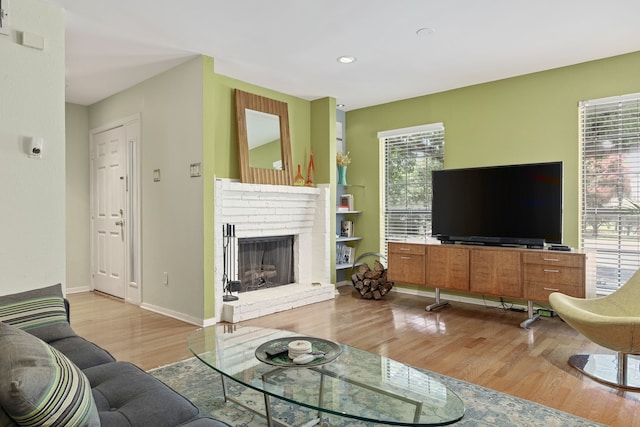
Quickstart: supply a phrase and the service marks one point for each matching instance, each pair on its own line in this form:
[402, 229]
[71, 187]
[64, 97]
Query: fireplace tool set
[229, 242]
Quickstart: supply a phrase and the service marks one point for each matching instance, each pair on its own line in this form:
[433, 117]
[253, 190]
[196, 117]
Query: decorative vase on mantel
[299, 179]
[342, 175]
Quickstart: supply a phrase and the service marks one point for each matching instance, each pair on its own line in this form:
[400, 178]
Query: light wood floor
[478, 344]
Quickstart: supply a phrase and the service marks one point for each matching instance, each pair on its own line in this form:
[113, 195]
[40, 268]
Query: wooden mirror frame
[248, 174]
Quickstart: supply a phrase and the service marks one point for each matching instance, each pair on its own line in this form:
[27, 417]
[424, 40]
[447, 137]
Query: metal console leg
[438, 302]
[532, 317]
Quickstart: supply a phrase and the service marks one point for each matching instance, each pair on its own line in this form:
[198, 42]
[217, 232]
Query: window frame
[610, 187]
[422, 215]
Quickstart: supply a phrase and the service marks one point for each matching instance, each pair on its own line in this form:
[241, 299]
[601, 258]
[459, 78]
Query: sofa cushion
[125, 395]
[84, 354]
[41, 312]
[5, 420]
[39, 386]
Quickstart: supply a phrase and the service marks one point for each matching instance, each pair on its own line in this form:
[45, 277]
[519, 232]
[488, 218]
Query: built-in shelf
[351, 185]
[347, 239]
[345, 266]
[340, 214]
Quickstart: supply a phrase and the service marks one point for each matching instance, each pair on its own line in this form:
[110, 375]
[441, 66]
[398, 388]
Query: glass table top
[355, 384]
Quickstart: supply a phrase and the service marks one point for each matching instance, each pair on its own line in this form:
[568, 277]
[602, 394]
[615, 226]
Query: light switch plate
[194, 170]
[33, 40]
[156, 175]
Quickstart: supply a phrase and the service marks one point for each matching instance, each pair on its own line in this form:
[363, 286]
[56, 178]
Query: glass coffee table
[344, 381]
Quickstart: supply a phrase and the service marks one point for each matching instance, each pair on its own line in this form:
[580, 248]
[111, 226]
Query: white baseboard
[78, 289]
[177, 315]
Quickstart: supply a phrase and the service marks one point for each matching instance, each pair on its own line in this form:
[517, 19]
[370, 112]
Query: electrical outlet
[165, 278]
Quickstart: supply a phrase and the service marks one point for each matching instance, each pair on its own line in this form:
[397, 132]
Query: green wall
[526, 119]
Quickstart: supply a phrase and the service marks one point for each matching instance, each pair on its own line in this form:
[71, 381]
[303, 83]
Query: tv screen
[503, 205]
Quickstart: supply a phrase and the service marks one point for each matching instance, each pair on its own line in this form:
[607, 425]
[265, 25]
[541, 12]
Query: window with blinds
[409, 157]
[610, 211]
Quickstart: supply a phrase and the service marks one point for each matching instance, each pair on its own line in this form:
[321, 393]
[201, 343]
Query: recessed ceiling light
[346, 59]
[340, 105]
[425, 32]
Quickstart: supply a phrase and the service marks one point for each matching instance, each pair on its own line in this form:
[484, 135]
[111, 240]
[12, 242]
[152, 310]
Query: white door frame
[132, 203]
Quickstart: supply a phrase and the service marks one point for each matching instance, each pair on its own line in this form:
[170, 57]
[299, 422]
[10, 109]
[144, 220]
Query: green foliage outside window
[409, 161]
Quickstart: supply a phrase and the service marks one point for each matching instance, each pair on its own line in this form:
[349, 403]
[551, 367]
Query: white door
[108, 211]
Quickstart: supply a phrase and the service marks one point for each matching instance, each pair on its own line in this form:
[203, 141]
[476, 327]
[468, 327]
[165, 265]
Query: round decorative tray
[331, 351]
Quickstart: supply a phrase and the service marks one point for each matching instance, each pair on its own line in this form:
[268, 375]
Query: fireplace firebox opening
[265, 262]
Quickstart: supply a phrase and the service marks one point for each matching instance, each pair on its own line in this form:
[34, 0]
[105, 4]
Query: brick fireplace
[260, 211]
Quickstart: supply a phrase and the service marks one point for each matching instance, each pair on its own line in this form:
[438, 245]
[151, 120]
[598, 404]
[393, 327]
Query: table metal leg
[267, 409]
[224, 388]
[267, 404]
[317, 421]
[321, 395]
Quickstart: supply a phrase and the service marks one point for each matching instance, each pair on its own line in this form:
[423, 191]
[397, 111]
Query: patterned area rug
[484, 407]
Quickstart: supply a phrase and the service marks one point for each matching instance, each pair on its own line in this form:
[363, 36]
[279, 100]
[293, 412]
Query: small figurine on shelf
[310, 170]
[299, 179]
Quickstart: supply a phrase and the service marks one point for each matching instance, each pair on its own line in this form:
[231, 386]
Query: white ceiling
[291, 45]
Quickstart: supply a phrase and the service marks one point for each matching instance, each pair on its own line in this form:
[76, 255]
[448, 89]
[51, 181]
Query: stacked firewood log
[259, 277]
[371, 284]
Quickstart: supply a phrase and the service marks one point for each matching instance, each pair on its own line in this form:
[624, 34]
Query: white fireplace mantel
[259, 210]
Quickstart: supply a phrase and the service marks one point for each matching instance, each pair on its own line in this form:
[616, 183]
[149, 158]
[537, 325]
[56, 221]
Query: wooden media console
[525, 274]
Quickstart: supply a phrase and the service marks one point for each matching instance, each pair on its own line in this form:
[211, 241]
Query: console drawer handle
[405, 249]
[405, 257]
[546, 270]
[552, 259]
[551, 289]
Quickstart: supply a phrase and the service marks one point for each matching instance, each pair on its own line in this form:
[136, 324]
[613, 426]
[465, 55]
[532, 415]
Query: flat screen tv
[501, 205]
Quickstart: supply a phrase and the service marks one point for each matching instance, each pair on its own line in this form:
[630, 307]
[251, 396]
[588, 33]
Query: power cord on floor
[503, 305]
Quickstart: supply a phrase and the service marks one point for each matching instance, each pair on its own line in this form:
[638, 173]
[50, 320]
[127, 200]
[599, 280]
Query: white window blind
[409, 157]
[610, 211]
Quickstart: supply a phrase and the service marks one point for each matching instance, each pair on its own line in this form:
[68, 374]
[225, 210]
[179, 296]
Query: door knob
[120, 223]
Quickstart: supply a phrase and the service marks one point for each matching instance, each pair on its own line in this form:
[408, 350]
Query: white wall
[170, 107]
[32, 218]
[77, 197]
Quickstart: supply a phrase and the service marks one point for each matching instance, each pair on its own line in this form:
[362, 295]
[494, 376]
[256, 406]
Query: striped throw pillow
[41, 312]
[39, 386]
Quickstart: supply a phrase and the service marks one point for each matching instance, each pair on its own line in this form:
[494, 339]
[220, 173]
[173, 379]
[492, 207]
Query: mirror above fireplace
[264, 144]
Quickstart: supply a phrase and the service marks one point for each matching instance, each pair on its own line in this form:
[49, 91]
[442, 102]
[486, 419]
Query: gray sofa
[48, 372]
